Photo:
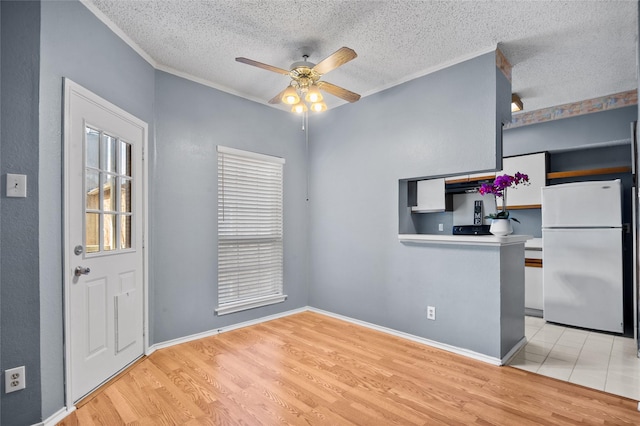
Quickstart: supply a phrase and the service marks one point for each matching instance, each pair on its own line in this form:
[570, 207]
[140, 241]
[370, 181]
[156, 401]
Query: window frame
[250, 237]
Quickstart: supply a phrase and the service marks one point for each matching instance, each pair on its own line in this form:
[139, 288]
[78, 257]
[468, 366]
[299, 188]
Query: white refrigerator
[582, 254]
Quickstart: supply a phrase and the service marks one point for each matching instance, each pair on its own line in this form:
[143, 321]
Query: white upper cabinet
[525, 196]
[431, 196]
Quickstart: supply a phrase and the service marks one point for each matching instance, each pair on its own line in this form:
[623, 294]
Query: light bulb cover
[290, 96]
[318, 106]
[313, 94]
[299, 108]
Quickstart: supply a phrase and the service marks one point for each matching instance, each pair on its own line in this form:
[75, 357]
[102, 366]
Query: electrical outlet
[431, 313]
[14, 379]
[441, 227]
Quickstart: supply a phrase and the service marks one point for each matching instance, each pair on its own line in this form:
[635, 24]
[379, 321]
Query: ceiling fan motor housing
[303, 75]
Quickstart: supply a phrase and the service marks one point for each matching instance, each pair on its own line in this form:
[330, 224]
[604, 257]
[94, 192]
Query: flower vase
[501, 227]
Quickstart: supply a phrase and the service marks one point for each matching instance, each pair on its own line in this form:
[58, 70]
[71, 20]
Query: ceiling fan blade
[263, 66]
[333, 61]
[338, 91]
[277, 98]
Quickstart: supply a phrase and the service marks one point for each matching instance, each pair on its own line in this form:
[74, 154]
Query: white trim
[250, 154]
[180, 340]
[56, 417]
[69, 87]
[460, 351]
[225, 89]
[514, 351]
[117, 31]
[250, 304]
[432, 343]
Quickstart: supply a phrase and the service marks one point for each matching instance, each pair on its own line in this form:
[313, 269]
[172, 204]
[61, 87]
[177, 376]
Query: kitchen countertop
[483, 240]
[533, 244]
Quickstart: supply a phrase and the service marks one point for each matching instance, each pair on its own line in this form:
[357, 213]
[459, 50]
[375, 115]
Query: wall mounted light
[516, 103]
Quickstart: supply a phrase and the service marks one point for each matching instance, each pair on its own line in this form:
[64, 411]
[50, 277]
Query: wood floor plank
[310, 369]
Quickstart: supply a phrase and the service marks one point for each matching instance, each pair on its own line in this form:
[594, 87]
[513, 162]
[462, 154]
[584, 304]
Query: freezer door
[582, 277]
[582, 204]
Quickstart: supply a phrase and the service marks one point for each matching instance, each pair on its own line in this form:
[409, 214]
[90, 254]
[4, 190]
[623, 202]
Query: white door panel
[582, 204]
[582, 277]
[104, 221]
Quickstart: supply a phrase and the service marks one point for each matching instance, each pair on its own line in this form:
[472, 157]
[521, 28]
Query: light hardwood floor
[310, 369]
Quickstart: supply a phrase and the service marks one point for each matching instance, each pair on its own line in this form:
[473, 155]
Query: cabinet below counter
[484, 240]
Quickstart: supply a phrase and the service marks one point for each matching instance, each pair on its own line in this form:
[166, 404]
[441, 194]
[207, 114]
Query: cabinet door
[533, 281]
[529, 196]
[431, 196]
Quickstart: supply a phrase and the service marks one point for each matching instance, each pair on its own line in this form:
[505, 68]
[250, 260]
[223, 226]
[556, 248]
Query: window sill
[250, 304]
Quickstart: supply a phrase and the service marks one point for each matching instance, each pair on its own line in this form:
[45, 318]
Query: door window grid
[108, 192]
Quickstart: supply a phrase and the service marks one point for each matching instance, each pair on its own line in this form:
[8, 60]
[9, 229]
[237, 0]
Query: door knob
[80, 270]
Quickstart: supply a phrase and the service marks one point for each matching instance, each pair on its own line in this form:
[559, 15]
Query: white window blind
[250, 248]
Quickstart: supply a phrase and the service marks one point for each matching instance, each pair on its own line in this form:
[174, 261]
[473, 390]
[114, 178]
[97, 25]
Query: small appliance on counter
[471, 230]
[477, 228]
[582, 254]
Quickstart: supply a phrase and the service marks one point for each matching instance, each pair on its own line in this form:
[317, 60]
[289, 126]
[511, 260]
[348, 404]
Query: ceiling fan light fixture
[299, 108]
[313, 94]
[318, 106]
[290, 96]
[516, 103]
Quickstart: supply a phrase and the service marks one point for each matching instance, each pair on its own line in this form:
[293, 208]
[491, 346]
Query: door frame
[69, 88]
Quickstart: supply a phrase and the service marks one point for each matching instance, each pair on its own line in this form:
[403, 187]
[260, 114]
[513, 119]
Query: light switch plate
[16, 185]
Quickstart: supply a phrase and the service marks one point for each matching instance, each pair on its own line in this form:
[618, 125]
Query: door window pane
[92, 236]
[109, 193]
[125, 232]
[109, 228]
[110, 146]
[125, 159]
[93, 148]
[125, 196]
[92, 187]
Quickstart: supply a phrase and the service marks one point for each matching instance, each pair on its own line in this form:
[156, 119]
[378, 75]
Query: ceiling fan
[305, 82]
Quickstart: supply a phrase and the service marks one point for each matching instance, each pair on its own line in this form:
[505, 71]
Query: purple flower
[501, 183]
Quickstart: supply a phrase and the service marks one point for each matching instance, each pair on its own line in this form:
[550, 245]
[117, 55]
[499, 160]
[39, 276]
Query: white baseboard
[438, 345]
[56, 417]
[514, 351]
[215, 331]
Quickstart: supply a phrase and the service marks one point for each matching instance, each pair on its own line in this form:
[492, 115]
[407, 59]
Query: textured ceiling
[561, 51]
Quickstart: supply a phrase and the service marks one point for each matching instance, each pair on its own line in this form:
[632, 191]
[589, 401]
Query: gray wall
[75, 44]
[358, 154]
[190, 121]
[19, 278]
[591, 130]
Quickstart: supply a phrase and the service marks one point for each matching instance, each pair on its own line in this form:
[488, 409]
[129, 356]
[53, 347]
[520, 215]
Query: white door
[582, 204]
[104, 219]
[582, 277]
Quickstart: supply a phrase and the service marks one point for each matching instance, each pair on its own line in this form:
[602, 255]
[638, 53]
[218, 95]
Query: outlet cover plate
[14, 379]
[431, 313]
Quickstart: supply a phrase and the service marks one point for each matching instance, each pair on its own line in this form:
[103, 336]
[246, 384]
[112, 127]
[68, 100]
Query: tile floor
[596, 360]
